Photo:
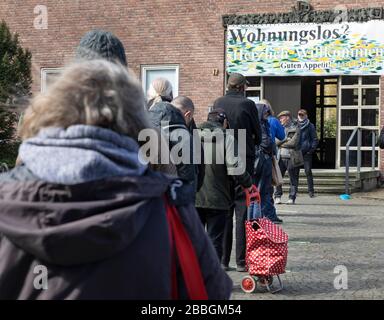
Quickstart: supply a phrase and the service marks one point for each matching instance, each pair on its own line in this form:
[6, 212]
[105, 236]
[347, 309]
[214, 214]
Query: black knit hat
[101, 44]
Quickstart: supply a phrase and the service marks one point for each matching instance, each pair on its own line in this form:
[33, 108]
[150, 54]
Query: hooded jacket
[215, 192]
[266, 141]
[88, 211]
[199, 167]
[165, 116]
[98, 240]
[242, 114]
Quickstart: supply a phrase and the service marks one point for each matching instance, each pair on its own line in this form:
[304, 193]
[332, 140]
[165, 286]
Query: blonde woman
[159, 90]
[84, 207]
[170, 120]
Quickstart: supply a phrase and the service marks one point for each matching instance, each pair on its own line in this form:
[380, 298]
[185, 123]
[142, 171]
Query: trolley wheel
[248, 284]
[266, 281]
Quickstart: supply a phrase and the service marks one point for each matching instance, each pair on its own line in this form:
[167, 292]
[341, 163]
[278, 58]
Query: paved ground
[326, 232]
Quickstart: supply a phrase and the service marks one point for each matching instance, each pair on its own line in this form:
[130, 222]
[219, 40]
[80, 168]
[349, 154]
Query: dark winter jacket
[242, 114]
[199, 165]
[266, 144]
[308, 137]
[103, 239]
[166, 116]
[219, 175]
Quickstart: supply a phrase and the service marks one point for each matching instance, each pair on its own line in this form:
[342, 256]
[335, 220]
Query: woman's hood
[81, 153]
[82, 223]
[261, 110]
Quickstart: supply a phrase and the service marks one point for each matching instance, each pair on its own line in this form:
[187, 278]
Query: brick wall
[184, 32]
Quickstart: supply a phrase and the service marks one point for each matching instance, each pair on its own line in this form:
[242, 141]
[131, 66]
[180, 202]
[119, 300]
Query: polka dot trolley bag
[266, 248]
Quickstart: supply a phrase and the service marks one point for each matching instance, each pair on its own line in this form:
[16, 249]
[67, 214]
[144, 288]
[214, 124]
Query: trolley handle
[252, 195]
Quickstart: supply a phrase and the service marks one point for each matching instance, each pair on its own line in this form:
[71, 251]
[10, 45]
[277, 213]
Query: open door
[319, 98]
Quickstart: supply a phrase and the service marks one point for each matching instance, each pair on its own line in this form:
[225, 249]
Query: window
[255, 88]
[359, 107]
[152, 72]
[48, 76]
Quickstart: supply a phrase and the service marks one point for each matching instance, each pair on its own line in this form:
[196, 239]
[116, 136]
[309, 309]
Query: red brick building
[187, 38]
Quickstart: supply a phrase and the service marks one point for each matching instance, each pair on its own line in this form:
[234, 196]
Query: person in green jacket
[222, 168]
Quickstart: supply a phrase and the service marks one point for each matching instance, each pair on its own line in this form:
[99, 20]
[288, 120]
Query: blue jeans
[293, 172]
[264, 183]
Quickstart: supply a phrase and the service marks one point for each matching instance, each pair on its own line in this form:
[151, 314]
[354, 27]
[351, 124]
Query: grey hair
[159, 89]
[96, 92]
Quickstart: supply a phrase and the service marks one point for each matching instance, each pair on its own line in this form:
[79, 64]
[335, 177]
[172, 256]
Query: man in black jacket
[308, 142]
[187, 109]
[242, 114]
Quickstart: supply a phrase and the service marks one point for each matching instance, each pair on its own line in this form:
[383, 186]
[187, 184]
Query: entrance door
[319, 98]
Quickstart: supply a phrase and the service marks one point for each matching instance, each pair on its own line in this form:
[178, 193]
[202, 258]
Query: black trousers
[239, 209]
[214, 221]
[293, 172]
[308, 172]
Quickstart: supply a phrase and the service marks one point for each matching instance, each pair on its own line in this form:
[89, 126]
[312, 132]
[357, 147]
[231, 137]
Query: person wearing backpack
[222, 168]
[86, 215]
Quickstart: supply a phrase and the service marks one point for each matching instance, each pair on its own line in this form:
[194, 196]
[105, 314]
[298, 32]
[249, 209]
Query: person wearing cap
[289, 155]
[242, 114]
[308, 142]
[214, 200]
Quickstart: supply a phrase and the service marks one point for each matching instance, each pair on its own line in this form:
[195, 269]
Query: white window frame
[145, 68]
[259, 88]
[43, 75]
[359, 86]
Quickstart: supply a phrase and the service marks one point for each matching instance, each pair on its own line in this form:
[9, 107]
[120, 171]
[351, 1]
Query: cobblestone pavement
[326, 232]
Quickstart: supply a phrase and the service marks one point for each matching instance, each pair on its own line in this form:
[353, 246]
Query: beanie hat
[99, 44]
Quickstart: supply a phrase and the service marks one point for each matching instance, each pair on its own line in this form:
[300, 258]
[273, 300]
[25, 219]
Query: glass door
[326, 121]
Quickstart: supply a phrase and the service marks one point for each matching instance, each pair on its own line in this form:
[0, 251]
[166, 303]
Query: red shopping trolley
[266, 250]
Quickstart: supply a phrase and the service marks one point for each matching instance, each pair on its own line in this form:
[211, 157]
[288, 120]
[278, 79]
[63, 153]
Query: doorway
[319, 98]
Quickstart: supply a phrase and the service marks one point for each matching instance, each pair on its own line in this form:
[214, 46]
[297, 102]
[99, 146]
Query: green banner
[306, 49]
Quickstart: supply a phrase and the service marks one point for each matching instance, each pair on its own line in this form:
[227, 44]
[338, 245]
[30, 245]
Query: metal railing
[347, 154]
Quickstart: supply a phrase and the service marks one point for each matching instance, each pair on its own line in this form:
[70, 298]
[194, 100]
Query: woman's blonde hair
[159, 89]
[96, 92]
